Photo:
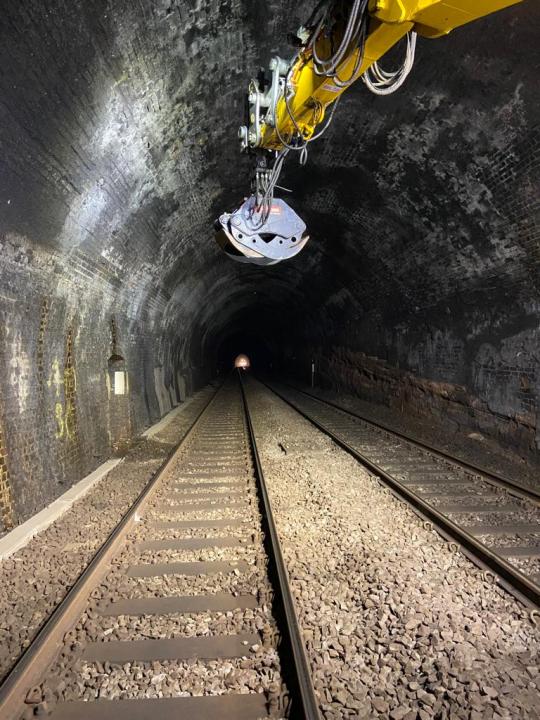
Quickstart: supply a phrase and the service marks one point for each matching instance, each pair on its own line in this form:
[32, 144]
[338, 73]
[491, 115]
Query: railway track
[493, 520]
[185, 611]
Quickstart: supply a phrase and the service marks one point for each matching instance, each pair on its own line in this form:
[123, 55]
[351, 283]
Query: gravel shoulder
[37, 577]
[396, 625]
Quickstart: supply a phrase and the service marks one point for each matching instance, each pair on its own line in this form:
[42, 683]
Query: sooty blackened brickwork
[118, 128]
[58, 418]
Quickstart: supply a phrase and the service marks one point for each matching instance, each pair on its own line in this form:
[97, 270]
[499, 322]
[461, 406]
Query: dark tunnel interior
[258, 350]
[418, 290]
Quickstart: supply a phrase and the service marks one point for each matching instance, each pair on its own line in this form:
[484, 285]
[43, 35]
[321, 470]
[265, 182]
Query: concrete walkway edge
[22, 534]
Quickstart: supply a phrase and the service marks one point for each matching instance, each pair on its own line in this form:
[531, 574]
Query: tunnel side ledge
[22, 534]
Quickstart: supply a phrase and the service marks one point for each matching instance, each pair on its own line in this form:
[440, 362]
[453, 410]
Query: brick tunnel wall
[480, 375]
[59, 416]
[512, 421]
[118, 136]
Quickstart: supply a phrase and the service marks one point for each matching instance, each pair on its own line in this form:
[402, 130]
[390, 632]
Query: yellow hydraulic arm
[342, 41]
[388, 22]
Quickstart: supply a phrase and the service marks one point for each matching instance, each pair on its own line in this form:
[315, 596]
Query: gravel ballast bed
[258, 672]
[37, 577]
[165, 585]
[396, 625]
[134, 627]
[202, 533]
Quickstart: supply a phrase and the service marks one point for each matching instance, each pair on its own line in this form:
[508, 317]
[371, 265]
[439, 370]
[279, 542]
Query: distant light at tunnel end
[242, 361]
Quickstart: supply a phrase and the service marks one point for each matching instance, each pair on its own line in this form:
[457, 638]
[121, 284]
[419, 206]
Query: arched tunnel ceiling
[119, 150]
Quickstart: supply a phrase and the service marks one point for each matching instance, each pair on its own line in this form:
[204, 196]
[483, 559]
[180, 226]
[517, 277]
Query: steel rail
[515, 488]
[309, 706]
[512, 579]
[46, 645]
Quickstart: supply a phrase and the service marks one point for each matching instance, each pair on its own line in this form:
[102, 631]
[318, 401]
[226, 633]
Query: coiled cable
[382, 82]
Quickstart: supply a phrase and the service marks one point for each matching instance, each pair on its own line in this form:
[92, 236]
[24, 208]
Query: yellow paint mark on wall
[59, 415]
[6, 499]
[70, 390]
[65, 413]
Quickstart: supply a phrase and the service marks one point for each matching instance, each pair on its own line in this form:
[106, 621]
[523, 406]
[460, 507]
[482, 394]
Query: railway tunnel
[414, 305]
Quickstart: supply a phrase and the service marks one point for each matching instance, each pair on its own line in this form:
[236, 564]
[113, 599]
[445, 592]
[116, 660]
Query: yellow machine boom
[390, 20]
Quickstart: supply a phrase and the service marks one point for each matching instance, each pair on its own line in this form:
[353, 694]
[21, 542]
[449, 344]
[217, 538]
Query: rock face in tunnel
[118, 136]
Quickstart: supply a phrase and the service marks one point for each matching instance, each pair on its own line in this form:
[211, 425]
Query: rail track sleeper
[219, 602]
[190, 543]
[505, 529]
[200, 567]
[184, 648]
[221, 707]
